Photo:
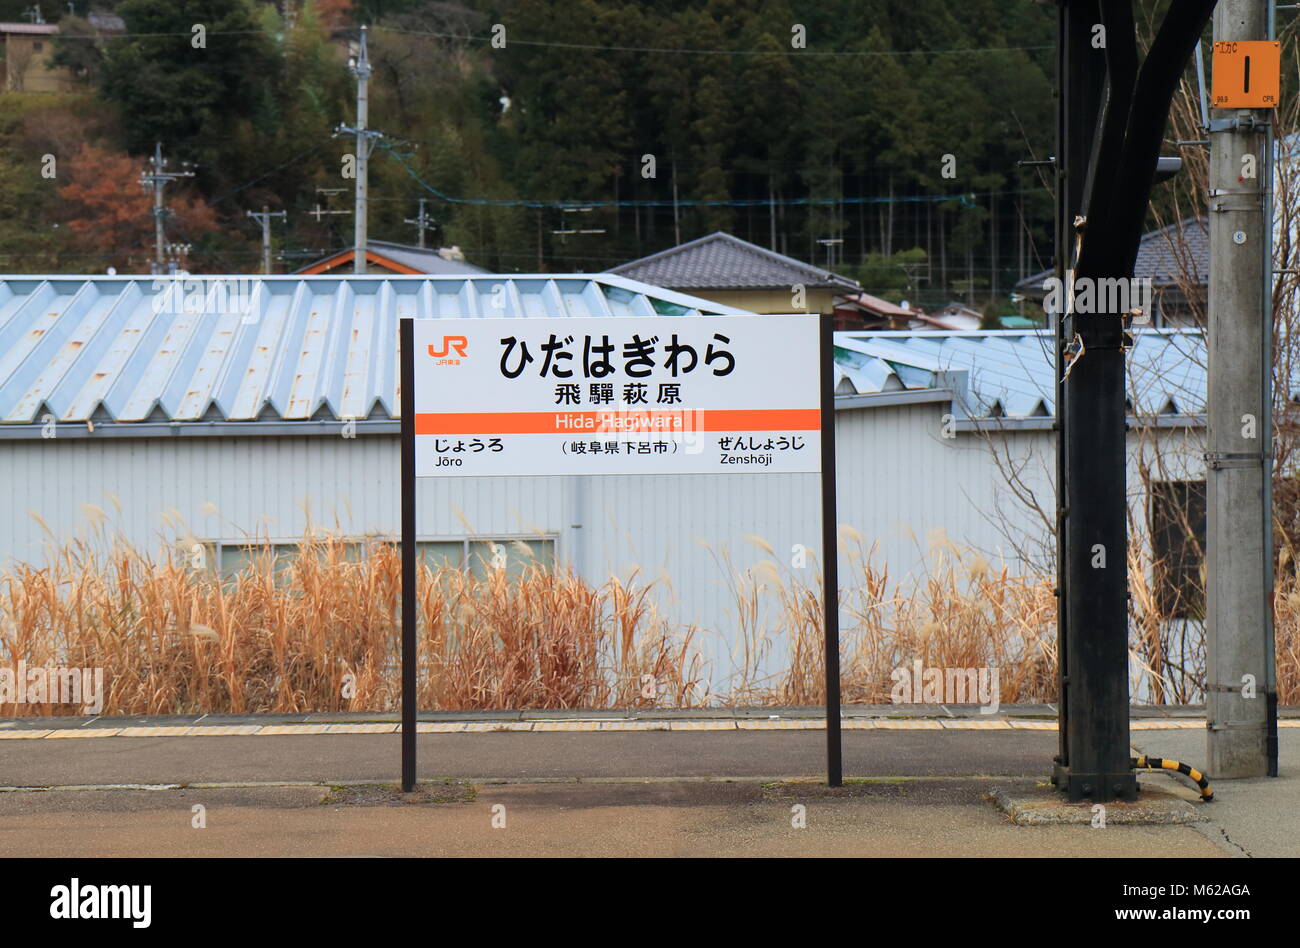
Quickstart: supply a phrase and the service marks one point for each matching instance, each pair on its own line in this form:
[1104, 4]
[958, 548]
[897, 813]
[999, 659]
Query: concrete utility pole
[1242, 721]
[263, 217]
[360, 68]
[156, 178]
[362, 72]
[422, 222]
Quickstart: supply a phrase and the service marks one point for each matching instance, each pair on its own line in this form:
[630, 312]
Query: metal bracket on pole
[1247, 123]
[1236, 726]
[1200, 85]
[1258, 205]
[1219, 460]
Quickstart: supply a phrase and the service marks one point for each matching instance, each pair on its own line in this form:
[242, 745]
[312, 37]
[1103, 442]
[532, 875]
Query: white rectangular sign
[621, 395]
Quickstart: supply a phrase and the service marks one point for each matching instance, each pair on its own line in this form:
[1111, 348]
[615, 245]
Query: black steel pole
[1097, 565]
[830, 557]
[1116, 179]
[409, 571]
[1080, 76]
[1094, 528]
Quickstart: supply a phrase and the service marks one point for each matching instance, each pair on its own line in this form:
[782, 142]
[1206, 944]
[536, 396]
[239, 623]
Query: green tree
[188, 89]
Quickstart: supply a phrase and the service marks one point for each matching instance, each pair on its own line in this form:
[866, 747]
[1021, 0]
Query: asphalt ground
[1252, 817]
[943, 817]
[347, 758]
[569, 788]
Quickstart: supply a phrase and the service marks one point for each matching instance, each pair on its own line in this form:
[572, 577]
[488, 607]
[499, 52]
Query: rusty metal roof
[208, 348]
[264, 351]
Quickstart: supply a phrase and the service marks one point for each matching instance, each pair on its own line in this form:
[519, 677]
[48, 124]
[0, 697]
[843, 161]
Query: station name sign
[617, 395]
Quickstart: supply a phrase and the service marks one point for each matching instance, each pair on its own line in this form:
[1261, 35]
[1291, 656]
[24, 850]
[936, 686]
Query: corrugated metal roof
[1010, 373]
[275, 349]
[129, 349]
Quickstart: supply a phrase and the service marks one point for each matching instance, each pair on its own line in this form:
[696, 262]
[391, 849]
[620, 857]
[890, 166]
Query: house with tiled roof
[734, 272]
[384, 256]
[1176, 259]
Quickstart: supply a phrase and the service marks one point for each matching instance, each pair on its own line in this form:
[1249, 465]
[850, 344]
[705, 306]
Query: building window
[236, 557]
[512, 555]
[477, 554]
[1177, 522]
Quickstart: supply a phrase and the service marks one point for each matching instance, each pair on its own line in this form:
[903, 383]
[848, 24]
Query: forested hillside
[880, 136]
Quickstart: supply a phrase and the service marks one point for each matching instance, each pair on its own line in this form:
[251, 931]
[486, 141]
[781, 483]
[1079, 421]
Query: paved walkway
[660, 818]
[629, 784]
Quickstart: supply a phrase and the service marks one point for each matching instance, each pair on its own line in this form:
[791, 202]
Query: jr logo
[458, 343]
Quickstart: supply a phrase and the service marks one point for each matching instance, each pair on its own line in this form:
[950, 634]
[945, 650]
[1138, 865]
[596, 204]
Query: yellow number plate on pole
[1247, 74]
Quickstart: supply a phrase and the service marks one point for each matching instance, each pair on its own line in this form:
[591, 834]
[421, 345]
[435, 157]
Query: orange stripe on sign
[613, 422]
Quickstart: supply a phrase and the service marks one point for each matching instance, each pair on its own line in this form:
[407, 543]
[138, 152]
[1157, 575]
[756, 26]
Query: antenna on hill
[318, 212]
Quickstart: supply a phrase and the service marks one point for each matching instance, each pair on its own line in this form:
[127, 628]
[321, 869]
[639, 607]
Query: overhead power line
[266, 174]
[687, 51]
[966, 200]
[590, 47]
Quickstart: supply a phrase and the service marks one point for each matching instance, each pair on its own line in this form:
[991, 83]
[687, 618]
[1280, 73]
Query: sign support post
[410, 571]
[830, 557]
[540, 409]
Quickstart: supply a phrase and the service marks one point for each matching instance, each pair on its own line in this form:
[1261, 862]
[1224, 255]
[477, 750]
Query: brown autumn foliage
[333, 14]
[110, 214]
